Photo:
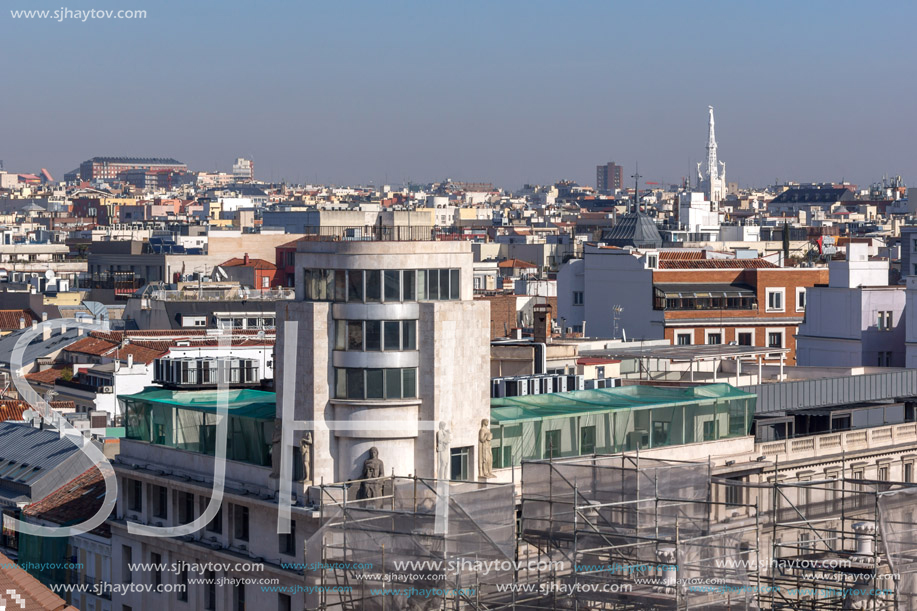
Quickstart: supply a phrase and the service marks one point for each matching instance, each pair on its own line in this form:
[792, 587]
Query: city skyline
[519, 94]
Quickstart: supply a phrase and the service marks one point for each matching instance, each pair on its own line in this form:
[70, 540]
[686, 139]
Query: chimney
[22, 322]
[45, 332]
[34, 325]
[130, 361]
[63, 329]
[44, 317]
[542, 313]
[245, 259]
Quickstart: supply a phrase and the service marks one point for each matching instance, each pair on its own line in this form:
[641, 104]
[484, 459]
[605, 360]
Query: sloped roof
[9, 319]
[633, 229]
[256, 263]
[515, 263]
[34, 594]
[715, 264]
[74, 502]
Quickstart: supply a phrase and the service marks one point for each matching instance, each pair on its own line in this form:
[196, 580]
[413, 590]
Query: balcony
[401, 233]
[836, 443]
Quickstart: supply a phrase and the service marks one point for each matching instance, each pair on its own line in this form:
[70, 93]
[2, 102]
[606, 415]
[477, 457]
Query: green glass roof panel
[242, 403]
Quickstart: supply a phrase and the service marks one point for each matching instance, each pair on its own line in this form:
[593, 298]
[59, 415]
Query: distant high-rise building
[609, 177]
[108, 168]
[243, 170]
[712, 179]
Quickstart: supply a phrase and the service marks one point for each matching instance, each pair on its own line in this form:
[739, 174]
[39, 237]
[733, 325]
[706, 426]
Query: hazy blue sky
[504, 91]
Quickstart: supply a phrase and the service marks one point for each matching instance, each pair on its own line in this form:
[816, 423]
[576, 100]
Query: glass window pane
[373, 335]
[373, 383]
[392, 278]
[355, 335]
[410, 383]
[392, 335]
[432, 284]
[340, 285]
[421, 284]
[307, 283]
[453, 284]
[354, 383]
[373, 285]
[340, 335]
[354, 285]
[392, 383]
[340, 383]
[407, 285]
[444, 284]
[409, 335]
[328, 285]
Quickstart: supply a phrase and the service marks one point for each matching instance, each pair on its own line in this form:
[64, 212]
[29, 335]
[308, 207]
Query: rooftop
[34, 595]
[698, 352]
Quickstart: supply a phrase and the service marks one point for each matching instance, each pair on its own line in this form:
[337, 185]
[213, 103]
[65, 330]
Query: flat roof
[699, 352]
[511, 410]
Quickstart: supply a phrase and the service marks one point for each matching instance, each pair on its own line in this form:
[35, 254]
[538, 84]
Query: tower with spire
[712, 178]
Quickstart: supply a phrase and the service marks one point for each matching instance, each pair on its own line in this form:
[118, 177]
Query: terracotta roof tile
[48, 376]
[35, 596]
[74, 502]
[515, 263]
[256, 263]
[9, 319]
[715, 264]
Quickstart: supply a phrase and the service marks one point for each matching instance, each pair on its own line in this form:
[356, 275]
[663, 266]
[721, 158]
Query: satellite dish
[29, 414]
[49, 274]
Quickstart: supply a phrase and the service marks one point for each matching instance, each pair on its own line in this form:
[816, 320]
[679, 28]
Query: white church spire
[712, 180]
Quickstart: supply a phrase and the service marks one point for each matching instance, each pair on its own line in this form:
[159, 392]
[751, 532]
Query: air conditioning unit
[105, 389]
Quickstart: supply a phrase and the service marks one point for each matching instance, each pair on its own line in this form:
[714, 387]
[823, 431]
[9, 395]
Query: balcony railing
[401, 233]
[835, 443]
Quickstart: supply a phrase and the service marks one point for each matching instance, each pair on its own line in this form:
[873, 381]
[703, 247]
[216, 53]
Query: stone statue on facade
[305, 450]
[443, 451]
[485, 455]
[373, 468]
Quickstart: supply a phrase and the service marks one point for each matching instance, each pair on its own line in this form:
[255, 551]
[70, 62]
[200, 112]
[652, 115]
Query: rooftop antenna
[636, 176]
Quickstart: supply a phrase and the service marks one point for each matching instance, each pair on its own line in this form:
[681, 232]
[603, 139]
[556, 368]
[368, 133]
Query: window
[710, 430]
[265, 282]
[160, 502]
[661, 433]
[216, 524]
[683, 339]
[355, 383]
[587, 440]
[883, 473]
[354, 285]
[734, 491]
[652, 261]
[885, 359]
[288, 540]
[391, 280]
[775, 339]
[183, 582]
[127, 555]
[392, 335]
[134, 495]
[240, 530]
[409, 335]
[577, 297]
[775, 300]
[908, 472]
[857, 474]
[884, 321]
[210, 596]
[185, 507]
[373, 335]
[238, 595]
[744, 338]
[156, 561]
[714, 338]
[551, 444]
[408, 285]
[373, 285]
[461, 460]
[284, 602]
[800, 299]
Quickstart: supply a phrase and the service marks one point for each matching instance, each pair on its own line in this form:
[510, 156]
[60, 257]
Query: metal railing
[383, 233]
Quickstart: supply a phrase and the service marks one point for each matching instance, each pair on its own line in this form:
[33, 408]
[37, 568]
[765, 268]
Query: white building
[857, 320]
[243, 170]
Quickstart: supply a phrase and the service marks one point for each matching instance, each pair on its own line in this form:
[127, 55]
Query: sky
[506, 91]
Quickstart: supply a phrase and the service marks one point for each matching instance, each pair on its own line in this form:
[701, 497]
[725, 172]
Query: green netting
[241, 403]
[606, 421]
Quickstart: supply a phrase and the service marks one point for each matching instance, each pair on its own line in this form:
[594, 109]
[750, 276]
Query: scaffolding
[617, 532]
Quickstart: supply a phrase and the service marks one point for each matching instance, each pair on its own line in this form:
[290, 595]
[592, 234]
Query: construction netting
[898, 526]
[423, 544]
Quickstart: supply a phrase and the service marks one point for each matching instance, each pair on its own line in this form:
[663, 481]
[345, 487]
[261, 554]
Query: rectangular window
[432, 284]
[577, 297]
[714, 338]
[239, 596]
[392, 281]
[800, 299]
[409, 383]
[551, 444]
[160, 502]
[355, 335]
[587, 440]
[710, 430]
[454, 285]
[374, 383]
[216, 524]
[340, 335]
[354, 383]
[444, 284]
[284, 602]
[744, 338]
[409, 335]
[185, 507]
[210, 596]
[422, 285]
[373, 335]
[288, 541]
[127, 555]
[373, 285]
[408, 285]
[354, 285]
[775, 300]
[240, 520]
[460, 463]
[134, 495]
[340, 285]
[683, 339]
[392, 335]
[156, 561]
[392, 383]
[909, 472]
[734, 492]
[183, 583]
[775, 339]
[883, 474]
